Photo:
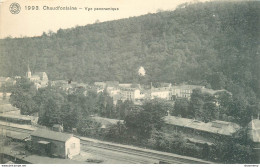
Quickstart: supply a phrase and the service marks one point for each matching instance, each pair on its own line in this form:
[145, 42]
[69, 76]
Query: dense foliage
[22, 96]
[220, 106]
[142, 120]
[143, 125]
[214, 43]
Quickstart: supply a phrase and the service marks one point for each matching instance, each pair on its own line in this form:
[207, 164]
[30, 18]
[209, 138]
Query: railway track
[135, 151]
[121, 158]
[16, 129]
[151, 154]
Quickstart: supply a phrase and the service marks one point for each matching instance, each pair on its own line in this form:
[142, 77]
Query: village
[40, 142]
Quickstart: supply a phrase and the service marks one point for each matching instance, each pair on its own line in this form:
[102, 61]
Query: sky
[29, 23]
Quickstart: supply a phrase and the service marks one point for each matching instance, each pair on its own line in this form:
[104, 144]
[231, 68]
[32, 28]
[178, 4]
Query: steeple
[28, 73]
[28, 67]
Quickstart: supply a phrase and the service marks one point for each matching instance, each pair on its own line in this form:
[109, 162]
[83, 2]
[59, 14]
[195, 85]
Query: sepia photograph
[86, 82]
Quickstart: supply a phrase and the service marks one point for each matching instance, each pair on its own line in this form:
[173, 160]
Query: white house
[184, 91]
[162, 93]
[51, 143]
[40, 79]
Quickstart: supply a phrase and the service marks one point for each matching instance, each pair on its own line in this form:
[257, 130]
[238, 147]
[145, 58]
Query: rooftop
[187, 86]
[3, 79]
[212, 92]
[60, 82]
[18, 136]
[39, 73]
[7, 107]
[20, 117]
[216, 127]
[48, 134]
[106, 121]
[128, 89]
[161, 89]
[254, 130]
[112, 83]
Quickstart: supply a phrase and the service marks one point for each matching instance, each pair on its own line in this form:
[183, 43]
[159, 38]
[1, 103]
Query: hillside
[214, 43]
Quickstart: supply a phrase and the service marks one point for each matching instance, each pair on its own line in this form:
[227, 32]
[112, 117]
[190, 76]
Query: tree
[69, 116]
[138, 122]
[231, 152]
[182, 108]
[158, 109]
[217, 80]
[196, 102]
[204, 106]
[105, 105]
[239, 109]
[50, 101]
[22, 96]
[224, 99]
[141, 120]
[117, 132]
[88, 127]
[210, 111]
[50, 113]
[122, 108]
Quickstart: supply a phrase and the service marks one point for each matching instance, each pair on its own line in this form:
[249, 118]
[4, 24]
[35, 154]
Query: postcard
[88, 82]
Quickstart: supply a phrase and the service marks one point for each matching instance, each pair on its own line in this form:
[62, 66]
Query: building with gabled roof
[40, 79]
[254, 136]
[184, 91]
[161, 93]
[7, 81]
[254, 130]
[7, 108]
[131, 94]
[106, 122]
[211, 131]
[214, 92]
[51, 143]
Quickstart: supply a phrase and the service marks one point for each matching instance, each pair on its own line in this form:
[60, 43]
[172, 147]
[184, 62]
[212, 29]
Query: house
[4, 108]
[17, 136]
[100, 84]
[69, 86]
[51, 143]
[184, 91]
[58, 83]
[125, 85]
[131, 94]
[211, 131]
[214, 92]
[7, 95]
[112, 87]
[124, 91]
[254, 136]
[112, 91]
[106, 122]
[162, 93]
[10, 113]
[40, 79]
[7, 81]
[112, 83]
[20, 119]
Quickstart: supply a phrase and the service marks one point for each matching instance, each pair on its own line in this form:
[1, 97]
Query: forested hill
[213, 43]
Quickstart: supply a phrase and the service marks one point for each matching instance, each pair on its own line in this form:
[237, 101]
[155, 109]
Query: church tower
[28, 73]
